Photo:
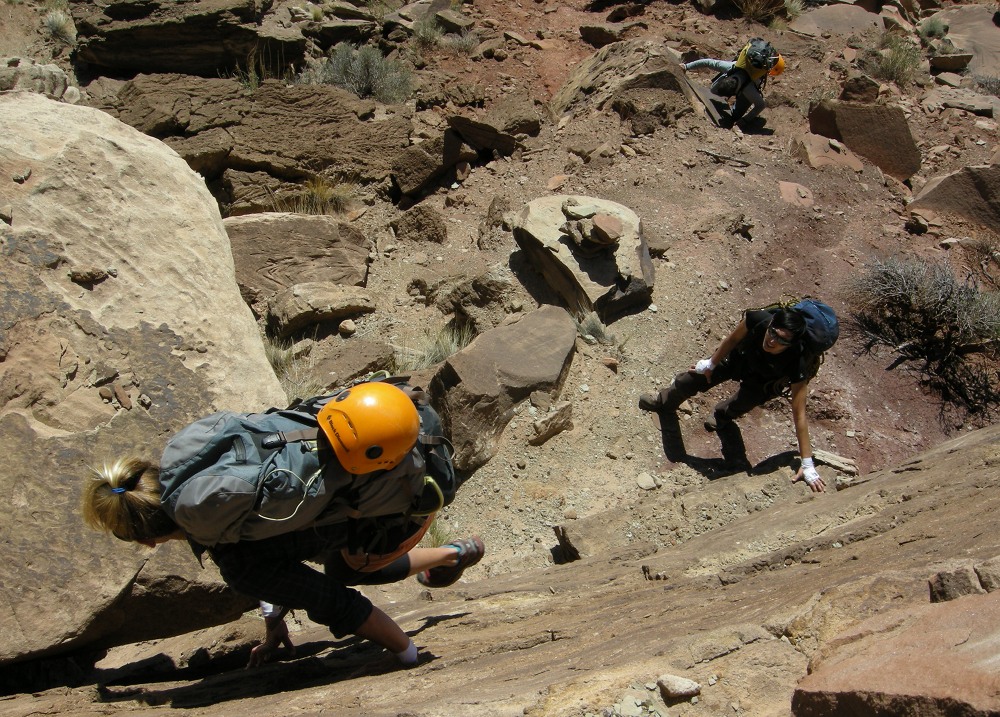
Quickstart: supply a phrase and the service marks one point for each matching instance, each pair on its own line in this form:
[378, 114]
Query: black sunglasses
[778, 338]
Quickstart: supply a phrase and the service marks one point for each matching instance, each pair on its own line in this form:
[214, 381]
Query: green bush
[932, 28]
[760, 10]
[463, 43]
[948, 330]
[893, 58]
[426, 32]
[365, 72]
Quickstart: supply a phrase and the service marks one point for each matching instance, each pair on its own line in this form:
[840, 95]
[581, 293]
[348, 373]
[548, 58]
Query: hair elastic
[118, 489]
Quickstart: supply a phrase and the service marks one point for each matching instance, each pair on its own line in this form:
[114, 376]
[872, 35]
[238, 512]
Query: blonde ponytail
[123, 498]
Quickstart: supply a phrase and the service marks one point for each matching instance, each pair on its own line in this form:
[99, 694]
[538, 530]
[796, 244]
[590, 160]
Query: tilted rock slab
[608, 284]
[116, 275]
[933, 661]
[196, 38]
[971, 192]
[291, 132]
[275, 251]
[879, 133]
[477, 389]
[315, 302]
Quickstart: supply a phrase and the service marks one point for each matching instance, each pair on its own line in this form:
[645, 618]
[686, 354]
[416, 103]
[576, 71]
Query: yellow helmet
[371, 426]
[779, 67]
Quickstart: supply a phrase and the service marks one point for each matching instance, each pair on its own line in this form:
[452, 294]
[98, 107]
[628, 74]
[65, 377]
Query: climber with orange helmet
[322, 487]
[744, 78]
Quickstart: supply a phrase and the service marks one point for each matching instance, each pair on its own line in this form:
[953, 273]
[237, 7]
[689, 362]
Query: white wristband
[704, 365]
[808, 462]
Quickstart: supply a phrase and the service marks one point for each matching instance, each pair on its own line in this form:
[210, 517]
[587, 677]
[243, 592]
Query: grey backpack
[230, 477]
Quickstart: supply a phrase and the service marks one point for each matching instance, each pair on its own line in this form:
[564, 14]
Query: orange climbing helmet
[778, 68]
[371, 426]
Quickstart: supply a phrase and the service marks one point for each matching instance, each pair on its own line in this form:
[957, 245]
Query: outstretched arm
[706, 366]
[807, 471]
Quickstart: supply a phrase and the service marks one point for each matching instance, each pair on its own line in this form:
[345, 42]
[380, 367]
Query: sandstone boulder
[839, 19]
[609, 280]
[196, 38]
[282, 132]
[478, 388]
[617, 68]
[17, 73]
[970, 192]
[878, 133]
[819, 152]
[102, 293]
[934, 660]
[973, 28]
[274, 251]
[313, 304]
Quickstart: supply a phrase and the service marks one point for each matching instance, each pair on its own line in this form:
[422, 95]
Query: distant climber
[769, 351]
[744, 78]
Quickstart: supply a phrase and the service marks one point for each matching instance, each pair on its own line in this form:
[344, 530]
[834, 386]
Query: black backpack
[760, 53]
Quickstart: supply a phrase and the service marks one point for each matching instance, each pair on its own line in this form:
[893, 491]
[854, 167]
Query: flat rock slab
[936, 660]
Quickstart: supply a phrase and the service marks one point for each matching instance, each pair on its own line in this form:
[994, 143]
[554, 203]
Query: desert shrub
[794, 8]
[893, 58]
[437, 535]
[463, 43]
[932, 27]
[431, 347]
[60, 26]
[318, 196]
[365, 72]
[294, 368]
[759, 10]
[947, 329]
[426, 32]
[988, 84]
[590, 325]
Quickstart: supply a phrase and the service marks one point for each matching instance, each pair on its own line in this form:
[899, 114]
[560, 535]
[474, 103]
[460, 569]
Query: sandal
[470, 552]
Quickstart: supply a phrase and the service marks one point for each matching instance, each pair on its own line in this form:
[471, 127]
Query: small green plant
[590, 325]
[893, 58]
[988, 84]
[295, 369]
[463, 43]
[949, 330]
[317, 13]
[426, 32]
[318, 196]
[431, 347]
[365, 72]
[60, 26]
[257, 68]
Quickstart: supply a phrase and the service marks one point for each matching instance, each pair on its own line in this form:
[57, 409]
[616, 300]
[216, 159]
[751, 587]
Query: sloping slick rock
[971, 192]
[838, 19]
[610, 283]
[935, 660]
[204, 37]
[116, 275]
[879, 133]
[479, 386]
[274, 251]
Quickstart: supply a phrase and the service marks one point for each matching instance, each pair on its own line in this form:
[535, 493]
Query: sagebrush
[893, 58]
[363, 71]
[431, 346]
[946, 328]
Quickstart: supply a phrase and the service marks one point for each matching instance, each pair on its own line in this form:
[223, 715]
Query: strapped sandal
[470, 552]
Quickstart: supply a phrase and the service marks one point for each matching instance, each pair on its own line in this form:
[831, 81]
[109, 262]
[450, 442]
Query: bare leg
[382, 630]
[422, 559]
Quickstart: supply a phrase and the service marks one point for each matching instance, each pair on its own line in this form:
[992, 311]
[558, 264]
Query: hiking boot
[470, 552]
[650, 402]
